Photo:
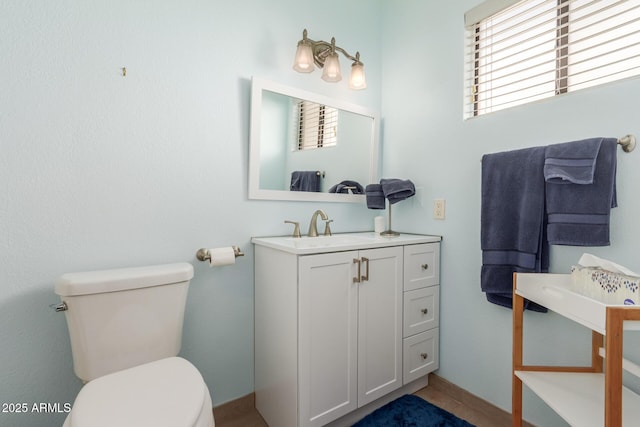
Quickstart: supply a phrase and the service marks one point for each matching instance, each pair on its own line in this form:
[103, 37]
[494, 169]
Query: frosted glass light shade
[303, 61]
[357, 80]
[331, 71]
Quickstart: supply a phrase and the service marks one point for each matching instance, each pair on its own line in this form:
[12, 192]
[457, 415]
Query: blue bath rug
[411, 411]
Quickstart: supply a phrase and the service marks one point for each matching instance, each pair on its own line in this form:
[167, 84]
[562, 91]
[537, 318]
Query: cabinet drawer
[421, 310]
[421, 265]
[420, 355]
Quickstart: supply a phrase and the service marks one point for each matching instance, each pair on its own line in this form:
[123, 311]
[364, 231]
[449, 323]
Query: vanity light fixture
[325, 56]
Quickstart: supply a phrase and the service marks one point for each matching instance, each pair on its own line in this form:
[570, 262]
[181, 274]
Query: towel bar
[627, 142]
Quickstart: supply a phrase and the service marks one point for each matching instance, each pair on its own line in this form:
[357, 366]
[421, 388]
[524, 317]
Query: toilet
[125, 328]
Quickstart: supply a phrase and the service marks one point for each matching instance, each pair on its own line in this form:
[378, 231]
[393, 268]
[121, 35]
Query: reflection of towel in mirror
[397, 190]
[347, 187]
[305, 181]
[375, 196]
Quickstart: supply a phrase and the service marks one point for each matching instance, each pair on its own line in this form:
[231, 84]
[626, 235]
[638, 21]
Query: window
[536, 49]
[317, 125]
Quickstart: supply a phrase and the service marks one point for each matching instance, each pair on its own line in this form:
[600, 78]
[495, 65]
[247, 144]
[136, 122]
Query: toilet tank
[125, 317]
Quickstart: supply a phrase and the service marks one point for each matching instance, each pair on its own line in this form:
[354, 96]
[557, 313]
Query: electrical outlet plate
[438, 208]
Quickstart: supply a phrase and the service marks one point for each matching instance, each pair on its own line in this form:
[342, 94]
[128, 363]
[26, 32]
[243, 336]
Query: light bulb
[303, 61]
[357, 80]
[331, 71]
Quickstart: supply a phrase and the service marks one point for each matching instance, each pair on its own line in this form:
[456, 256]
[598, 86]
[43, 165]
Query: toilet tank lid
[120, 279]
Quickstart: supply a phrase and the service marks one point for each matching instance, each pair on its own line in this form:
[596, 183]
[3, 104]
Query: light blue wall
[425, 138]
[99, 170]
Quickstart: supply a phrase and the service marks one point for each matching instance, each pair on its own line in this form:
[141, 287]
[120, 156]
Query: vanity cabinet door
[327, 357]
[350, 336]
[379, 323]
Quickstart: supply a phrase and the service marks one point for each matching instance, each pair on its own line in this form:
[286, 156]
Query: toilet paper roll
[222, 256]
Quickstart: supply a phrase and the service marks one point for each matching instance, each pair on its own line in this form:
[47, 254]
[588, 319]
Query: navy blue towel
[397, 190]
[512, 221]
[347, 187]
[579, 214]
[374, 196]
[571, 162]
[305, 181]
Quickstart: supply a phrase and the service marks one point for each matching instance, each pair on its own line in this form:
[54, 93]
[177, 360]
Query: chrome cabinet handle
[366, 274]
[425, 266]
[424, 310]
[357, 278]
[424, 356]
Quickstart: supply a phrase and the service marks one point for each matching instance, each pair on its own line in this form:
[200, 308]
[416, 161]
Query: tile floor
[439, 392]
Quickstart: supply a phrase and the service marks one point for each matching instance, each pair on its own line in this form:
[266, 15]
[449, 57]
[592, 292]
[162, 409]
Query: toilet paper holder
[204, 255]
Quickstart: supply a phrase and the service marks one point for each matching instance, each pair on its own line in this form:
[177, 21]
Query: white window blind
[536, 49]
[317, 125]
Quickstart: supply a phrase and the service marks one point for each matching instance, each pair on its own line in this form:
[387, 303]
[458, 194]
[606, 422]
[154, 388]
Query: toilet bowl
[165, 393]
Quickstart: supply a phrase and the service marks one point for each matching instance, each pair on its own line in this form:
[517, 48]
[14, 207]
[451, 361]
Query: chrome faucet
[313, 227]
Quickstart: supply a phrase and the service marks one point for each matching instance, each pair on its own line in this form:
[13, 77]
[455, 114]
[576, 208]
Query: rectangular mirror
[308, 147]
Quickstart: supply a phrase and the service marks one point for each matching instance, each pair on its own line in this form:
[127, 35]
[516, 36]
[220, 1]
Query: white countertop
[340, 242]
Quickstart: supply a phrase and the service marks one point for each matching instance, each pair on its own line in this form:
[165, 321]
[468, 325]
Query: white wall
[426, 139]
[98, 170]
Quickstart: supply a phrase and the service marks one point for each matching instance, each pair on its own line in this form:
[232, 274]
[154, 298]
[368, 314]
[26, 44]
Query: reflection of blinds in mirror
[317, 125]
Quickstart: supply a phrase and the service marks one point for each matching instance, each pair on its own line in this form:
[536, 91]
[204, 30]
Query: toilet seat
[166, 393]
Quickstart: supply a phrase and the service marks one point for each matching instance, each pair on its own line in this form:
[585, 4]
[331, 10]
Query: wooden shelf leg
[613, 369]
[516, 384]
[597, 341]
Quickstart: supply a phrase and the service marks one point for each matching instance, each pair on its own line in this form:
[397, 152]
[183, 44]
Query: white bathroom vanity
[343, 324]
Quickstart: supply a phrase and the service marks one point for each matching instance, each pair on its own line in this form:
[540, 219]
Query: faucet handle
[327, 228]
[296, 228]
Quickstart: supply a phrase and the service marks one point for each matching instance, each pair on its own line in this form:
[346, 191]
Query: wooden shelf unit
[583, 395]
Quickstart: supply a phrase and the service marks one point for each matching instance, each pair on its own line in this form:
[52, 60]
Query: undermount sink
[322, 241]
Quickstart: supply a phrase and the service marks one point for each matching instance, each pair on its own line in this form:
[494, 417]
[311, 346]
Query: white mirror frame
[255, 192]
